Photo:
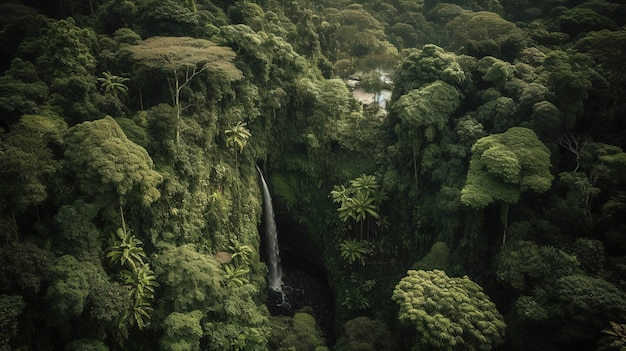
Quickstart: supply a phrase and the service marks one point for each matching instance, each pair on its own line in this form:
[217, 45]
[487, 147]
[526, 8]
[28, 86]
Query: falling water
[275, 274]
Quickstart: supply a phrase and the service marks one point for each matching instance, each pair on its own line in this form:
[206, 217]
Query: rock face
[305, 283]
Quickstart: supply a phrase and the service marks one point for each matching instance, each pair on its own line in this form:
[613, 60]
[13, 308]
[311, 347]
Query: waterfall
[275, 274]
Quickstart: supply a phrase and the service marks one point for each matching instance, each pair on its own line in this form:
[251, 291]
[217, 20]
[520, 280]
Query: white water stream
[275, 274]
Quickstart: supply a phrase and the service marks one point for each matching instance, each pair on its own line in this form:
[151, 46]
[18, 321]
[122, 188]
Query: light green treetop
[105, 160]
[505, 165]
[448, 313]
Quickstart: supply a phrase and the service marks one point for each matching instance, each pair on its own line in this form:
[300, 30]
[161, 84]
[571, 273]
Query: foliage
[27, 161]
[237, 136]
[523, 265]
[299, 333]
[113, 85]
[353, 251]
[189, 82]
[21, 91]
[183, 331]
[106, 160]
[189, 280]
[358, 203]
[365, 334]
[76, 57]
[24, 268]
[437, 258]
[85, 344]
[448, 313]
[614, 338]
[425, 111]
[127, 251]
[505, 165]
[11, 306]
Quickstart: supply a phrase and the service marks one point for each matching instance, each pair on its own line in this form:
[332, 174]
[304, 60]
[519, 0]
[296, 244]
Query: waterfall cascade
[275, 274]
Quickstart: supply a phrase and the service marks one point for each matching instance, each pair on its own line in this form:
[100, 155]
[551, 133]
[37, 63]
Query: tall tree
[107, 163]
[184, 58]
[505, 165]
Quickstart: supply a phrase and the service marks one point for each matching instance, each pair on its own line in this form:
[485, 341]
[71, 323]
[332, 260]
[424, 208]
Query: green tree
[480, 26]
[184, 58]
[423, 115]
[72, 281]
[524, 265]
[75, 58]
[11, 306]
[113, 85]
[107, 163]
[27, 164]
[503, 166]
[366, 334]
[607, 47]
[136, 275]
[570, 75]
[235, 276]
[167, 18]
[21, 91]
[353, 251]
[183, 331]
[236, 138]
[428, 65]
[448, 313]
[299, 333]
[189, 279]
[126, 250]
[359, 202]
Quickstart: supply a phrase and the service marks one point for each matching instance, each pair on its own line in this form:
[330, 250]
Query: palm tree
[359, 201]
[113, 85]
[240, 253]
[353, 250]
[235, 276]
[237, 138]
[365, 183]
[142, 283]
[128, 251]
[139, 315]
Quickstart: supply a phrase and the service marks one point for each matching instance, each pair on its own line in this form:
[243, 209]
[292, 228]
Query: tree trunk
[504, 218]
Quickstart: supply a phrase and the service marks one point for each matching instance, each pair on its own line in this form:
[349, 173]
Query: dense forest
[479, 206]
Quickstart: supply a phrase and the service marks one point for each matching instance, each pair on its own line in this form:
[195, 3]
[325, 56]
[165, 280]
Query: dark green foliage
[523, 265]
[21, 91]
[86, 345]
[11, 306]
[479, 26]
[79, 234]
[437, 258]
[27, 162]
[66, 50]
[578, 20]
[430, 64]
[24, 268]
[364, 334]
[571, 310]
[298, 333]
[73, 284]
[165, 18]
